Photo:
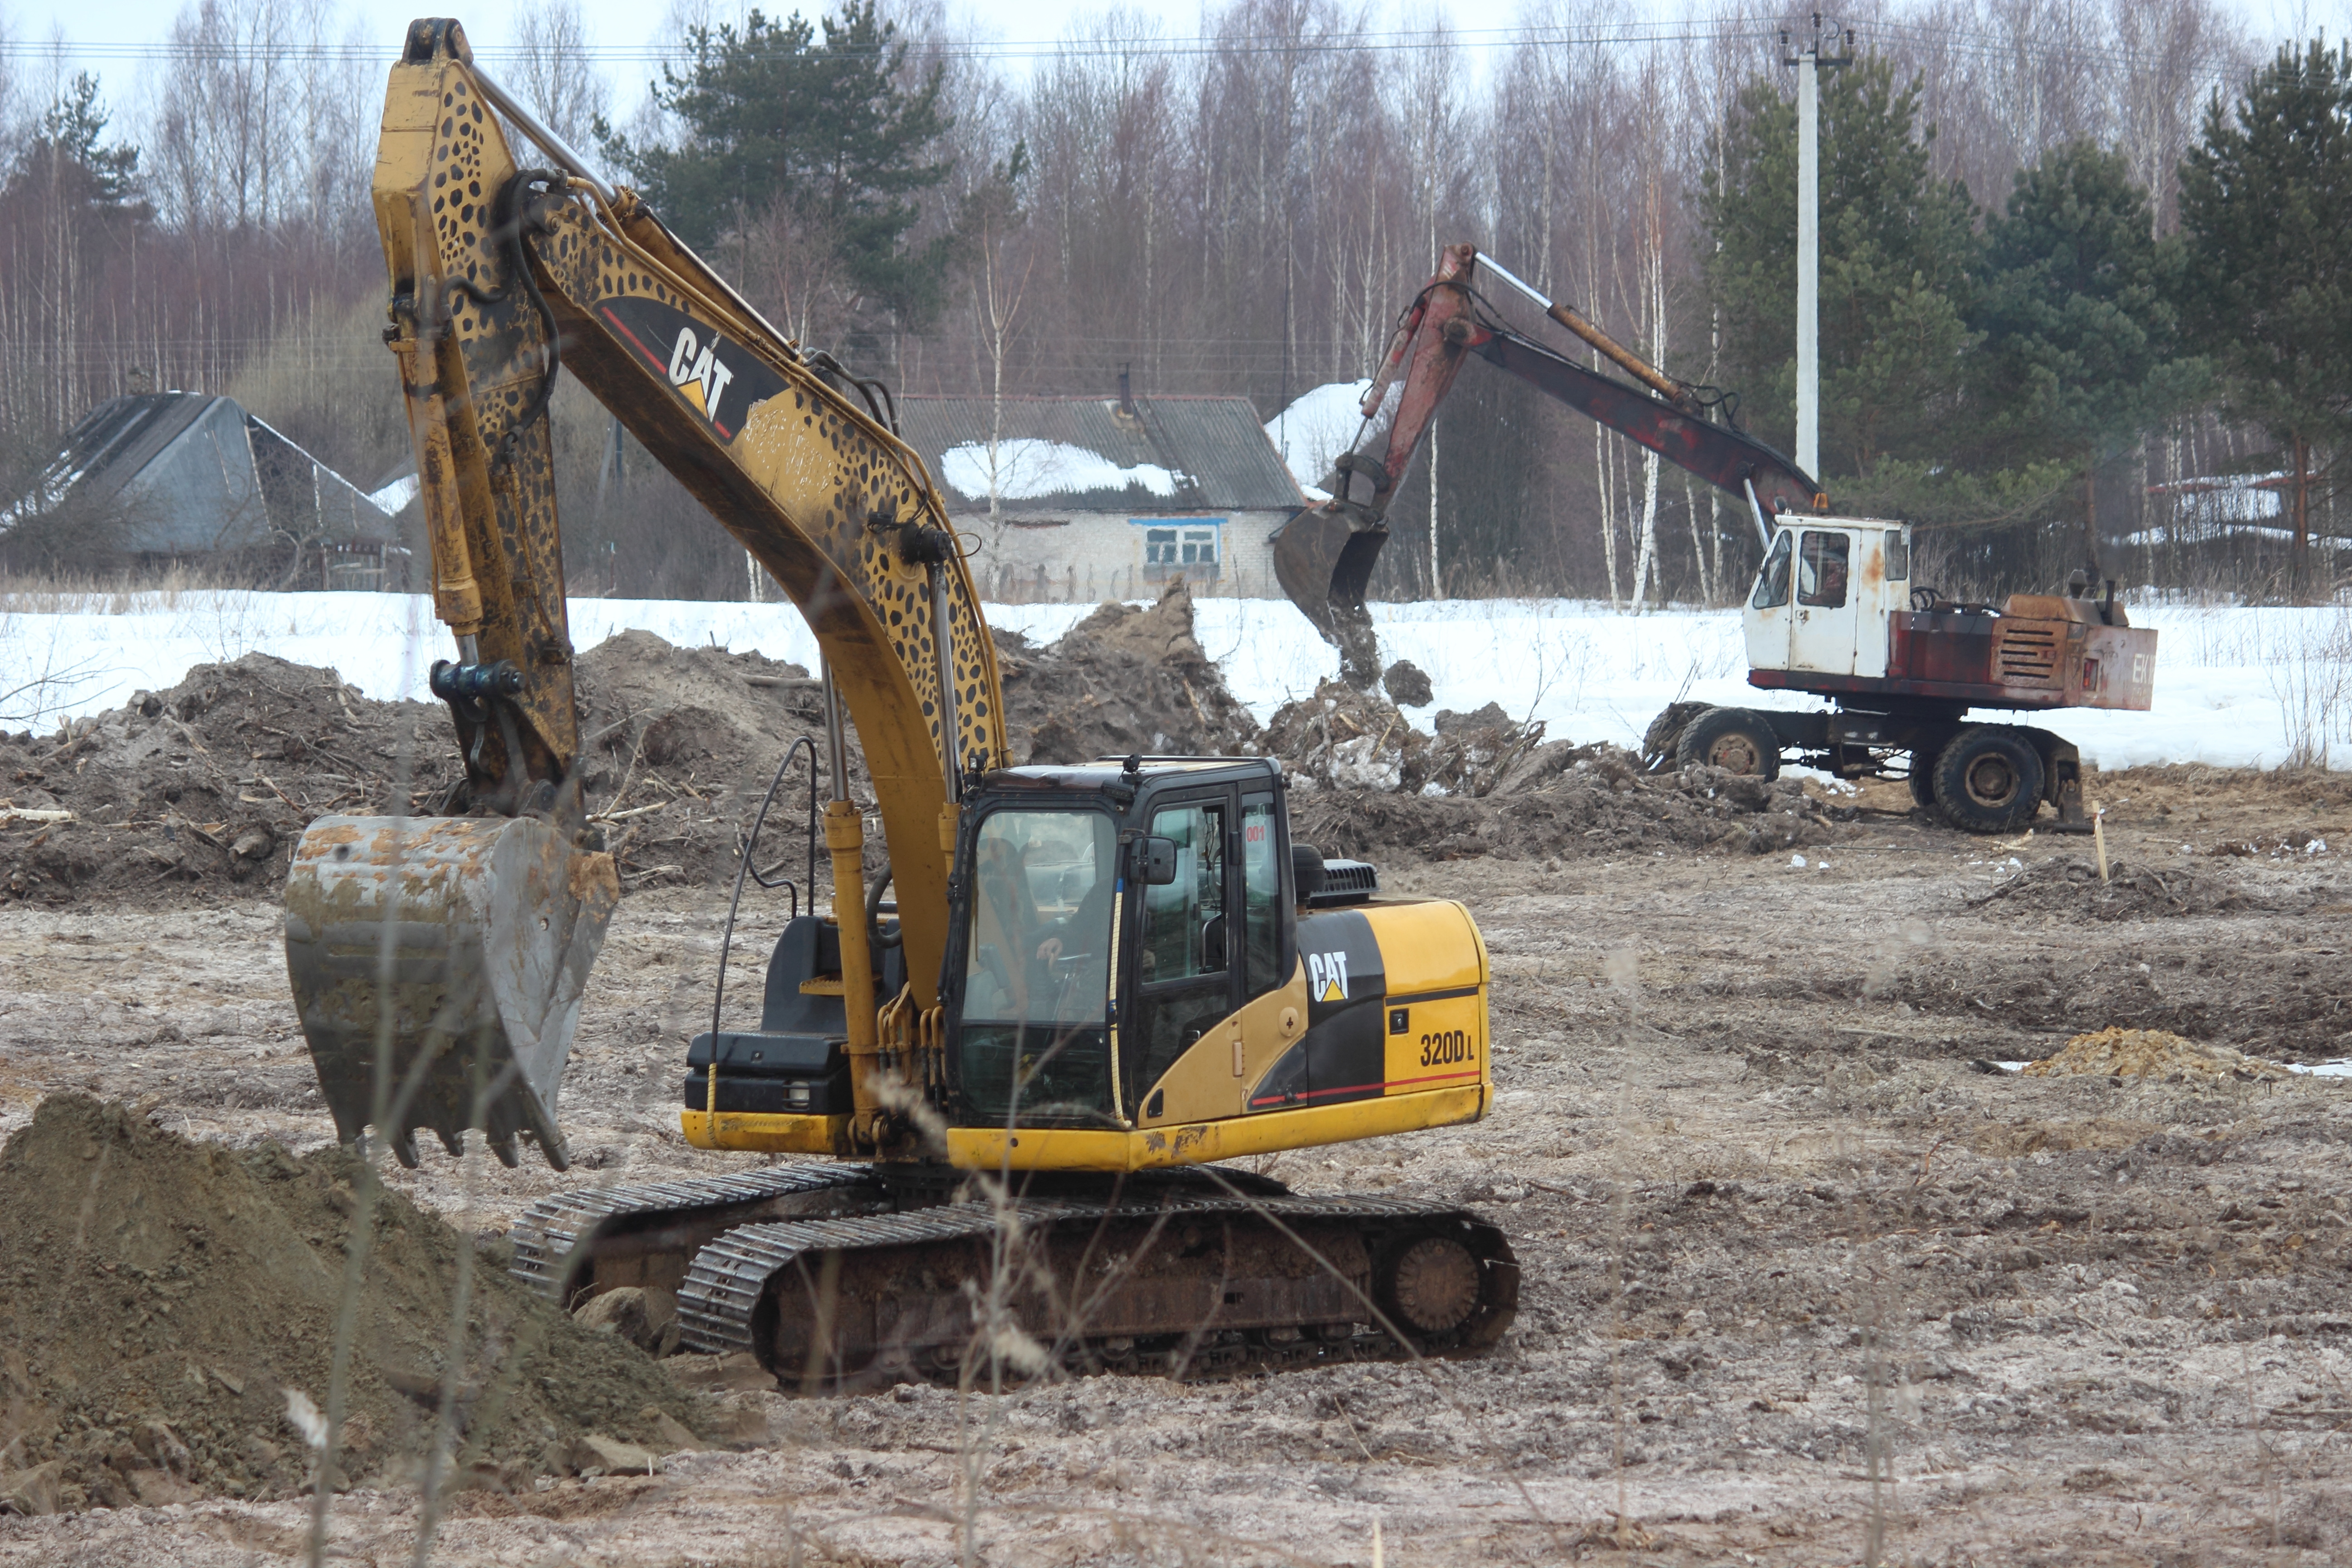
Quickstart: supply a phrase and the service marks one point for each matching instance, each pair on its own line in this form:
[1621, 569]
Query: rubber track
[732, 1273]
[559, 1229]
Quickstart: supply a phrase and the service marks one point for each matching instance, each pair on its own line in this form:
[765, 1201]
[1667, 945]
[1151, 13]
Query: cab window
[1186, 953]
[1821, 569]
[1184, 922]
[1261, 896]
[1036, 973]
[1772, 581]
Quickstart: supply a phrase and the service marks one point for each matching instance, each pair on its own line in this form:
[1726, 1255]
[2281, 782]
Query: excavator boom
[425, 994]
[1324, 557]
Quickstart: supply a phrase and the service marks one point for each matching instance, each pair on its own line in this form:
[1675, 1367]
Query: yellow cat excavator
[1100, 979]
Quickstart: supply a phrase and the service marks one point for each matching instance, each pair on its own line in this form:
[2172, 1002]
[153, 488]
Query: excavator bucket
[1323, 563]
[438, 964]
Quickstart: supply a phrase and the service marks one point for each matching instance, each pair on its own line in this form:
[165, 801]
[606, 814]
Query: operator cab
[1823, 594]
[1107, 916]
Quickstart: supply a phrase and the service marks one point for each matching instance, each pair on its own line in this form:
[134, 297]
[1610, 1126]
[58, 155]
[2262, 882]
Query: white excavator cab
[1823, 597]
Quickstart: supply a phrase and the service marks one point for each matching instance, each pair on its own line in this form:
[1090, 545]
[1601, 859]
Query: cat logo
[696, 371]
[1326, 977]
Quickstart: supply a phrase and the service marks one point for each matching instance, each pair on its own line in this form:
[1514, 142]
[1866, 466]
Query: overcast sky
[116, 38]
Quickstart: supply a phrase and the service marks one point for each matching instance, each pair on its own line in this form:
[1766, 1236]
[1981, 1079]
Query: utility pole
[1809, 64]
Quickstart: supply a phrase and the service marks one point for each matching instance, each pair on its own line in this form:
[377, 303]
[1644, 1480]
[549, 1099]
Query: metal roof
[1214, 450]
[189, 472]
[119, 438]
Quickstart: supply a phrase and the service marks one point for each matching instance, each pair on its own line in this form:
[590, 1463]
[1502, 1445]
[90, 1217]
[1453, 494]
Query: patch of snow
[1590, 675]
[394, 495]
[1028, 468]
[1316, 428]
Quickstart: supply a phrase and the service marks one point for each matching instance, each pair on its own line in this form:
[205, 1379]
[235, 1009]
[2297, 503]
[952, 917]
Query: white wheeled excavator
[1100, 980]
[1833, 611]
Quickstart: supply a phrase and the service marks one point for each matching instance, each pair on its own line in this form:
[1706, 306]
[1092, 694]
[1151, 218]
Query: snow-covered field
[2234, 686]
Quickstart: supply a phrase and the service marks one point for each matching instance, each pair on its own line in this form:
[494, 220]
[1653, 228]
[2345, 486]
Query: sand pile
[197, 793]
[162, 1301]
[2151, 1053]
[2070, 885]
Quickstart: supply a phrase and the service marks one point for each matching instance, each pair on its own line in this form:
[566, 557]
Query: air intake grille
[1345, 882]
[2026, 656]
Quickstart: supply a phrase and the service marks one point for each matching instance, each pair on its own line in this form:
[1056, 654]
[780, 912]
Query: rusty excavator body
[1832, 611]
[1004, 1100]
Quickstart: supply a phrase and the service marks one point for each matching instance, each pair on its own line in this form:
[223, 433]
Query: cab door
[1765, 622]
[1189, 951]
[1821, 625]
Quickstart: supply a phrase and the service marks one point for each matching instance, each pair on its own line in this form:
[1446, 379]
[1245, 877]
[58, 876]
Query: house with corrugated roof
[187, 476]
[1085, 498]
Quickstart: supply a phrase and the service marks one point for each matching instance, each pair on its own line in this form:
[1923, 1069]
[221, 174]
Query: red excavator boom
[1324, 556]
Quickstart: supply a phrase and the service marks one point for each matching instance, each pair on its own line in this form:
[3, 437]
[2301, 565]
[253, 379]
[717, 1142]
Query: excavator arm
[1324, 557]
[439, 963]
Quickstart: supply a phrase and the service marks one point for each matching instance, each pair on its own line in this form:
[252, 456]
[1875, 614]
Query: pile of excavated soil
[1345, 738]
[682, 742]
[2151, 1053]
[200, 791]
[1562, 801]
[1122, 681]
[184, 794]
[166, 1307]
[2069, 885]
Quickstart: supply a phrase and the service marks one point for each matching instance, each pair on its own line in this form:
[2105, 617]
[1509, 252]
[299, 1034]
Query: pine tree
[2267, 212]
[2081, 342]
[772, 117]
[1898, 255]
[63, 154]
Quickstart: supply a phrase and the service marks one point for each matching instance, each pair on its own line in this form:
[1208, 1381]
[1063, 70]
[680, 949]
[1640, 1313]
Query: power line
[1760, 30]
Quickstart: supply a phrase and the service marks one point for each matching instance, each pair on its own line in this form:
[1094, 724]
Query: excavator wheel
[1666, 732]
[1923, 779]
[1733, 739]
[1989, 780]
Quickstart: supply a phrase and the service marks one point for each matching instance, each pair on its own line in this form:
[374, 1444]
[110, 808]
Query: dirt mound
[199, 792]
[2070, 885]
[2151, 1053]
[1563, 800]
[1123, 680]
[170, 1313]
[681, 744]
[187, 793]
[1344, 739]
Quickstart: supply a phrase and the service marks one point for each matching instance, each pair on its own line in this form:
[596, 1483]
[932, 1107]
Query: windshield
[1772, 579]
[1040, 947]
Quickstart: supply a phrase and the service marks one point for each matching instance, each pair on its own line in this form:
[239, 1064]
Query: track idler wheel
[1432, 1285]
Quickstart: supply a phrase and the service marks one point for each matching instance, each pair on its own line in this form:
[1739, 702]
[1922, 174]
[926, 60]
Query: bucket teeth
[438, 964]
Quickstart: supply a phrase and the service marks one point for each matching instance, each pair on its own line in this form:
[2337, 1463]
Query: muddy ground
[1786, 1225]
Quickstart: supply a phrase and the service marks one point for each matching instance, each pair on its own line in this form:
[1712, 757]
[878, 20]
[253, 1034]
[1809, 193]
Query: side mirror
[1159, 862]
[1307, 878]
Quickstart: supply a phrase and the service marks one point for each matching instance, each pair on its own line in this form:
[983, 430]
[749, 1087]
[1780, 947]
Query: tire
[1733, 739]
[1658, 741]
[1989, 780]
[1923, 777]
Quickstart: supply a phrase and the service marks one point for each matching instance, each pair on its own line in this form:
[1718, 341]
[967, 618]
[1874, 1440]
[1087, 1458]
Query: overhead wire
[1763, 29]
